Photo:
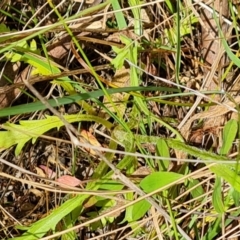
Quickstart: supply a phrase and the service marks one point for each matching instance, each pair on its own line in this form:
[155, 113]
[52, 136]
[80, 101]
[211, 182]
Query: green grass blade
[37, 106]
[229, 133]
[229, 52]
[217, 196]
[119, 15]
[178, 35]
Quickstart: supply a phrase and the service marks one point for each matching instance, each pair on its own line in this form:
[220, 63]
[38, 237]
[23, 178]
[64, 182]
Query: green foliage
[163, 151]
[122, 53]
[234, 57]
[32, 129]
[30, 55]
[158, 179]
[41, 227]
[139, 209]
[229, 134]
[36, 106]
[196, 192]
[227, 171]
[186, 27]
[217, 196]
[235, 197]
[3, 29]
[123, 128]
[119, 15]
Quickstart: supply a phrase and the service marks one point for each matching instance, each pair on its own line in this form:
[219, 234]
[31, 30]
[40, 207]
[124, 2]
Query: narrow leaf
[163, 151]
[217, 196]
[229, 134]
[236, 197]
[202, 154]
[36, 106]
[195, 191]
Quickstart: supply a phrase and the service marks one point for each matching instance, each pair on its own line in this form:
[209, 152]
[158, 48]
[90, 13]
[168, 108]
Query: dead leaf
[114, 211]
[40, 172]
[212, 113]
[142, 171]
[60, 51]
[91, 139]
[69, 180]
[210, 38]
[36, 192]
[50, 173]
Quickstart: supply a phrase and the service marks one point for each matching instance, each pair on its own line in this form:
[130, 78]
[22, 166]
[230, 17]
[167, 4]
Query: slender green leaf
[128, 213]
[228, 50]
[202, 154]
[195, 191]
[119, 15]
[137, 16]
[229, 134]
[163, 151]
[32, 107]
[217, 196]
[236, 197]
